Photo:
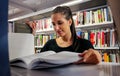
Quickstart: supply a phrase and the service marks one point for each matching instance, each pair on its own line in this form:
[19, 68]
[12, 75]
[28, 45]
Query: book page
[28, 59]
[63, 57]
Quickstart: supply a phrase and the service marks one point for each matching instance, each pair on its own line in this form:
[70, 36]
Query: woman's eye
[53, 24]
[60, 23]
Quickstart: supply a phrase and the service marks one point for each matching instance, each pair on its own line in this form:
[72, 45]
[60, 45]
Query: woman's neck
[64, 41]
[67, 38]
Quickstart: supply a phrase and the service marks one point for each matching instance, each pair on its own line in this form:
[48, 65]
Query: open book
[46, 59]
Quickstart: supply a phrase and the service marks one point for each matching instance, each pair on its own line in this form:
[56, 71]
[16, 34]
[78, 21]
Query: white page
[28, 59]
[62, 58]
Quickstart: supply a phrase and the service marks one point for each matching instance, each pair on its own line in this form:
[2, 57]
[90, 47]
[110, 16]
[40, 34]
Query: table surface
[102, 69]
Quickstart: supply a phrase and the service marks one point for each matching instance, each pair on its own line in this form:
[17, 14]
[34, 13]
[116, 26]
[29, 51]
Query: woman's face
[60, 24]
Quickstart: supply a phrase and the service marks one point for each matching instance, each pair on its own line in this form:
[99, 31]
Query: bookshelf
[83, 27]
[96, 26]
[79, 27]
[18, 27]
[45, 31]
[106, 50]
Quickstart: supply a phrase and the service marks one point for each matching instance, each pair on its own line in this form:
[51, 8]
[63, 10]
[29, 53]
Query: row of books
[92, 16]
[85, 17]
[41, 39]
[44, 24]
[110, 55]
[100, 37]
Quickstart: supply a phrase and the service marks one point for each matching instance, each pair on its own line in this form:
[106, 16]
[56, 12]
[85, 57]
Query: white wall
[20, 44]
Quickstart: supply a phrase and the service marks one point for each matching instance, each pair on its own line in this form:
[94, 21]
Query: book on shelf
[46, 59]
[41, 39]
[110, 56]
[100, 37]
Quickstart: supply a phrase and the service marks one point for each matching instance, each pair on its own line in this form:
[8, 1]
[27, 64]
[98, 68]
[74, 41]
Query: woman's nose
[56, 27]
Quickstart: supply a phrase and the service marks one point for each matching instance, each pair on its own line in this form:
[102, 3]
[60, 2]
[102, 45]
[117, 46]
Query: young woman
[68, 41]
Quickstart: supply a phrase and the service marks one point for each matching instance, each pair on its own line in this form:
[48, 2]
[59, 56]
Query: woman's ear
[70, 22]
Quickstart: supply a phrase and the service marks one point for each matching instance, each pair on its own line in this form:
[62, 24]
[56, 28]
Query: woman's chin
[61, 35]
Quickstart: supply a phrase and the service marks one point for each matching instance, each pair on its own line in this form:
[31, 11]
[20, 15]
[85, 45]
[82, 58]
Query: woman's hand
[90, 56]
[32, 24]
